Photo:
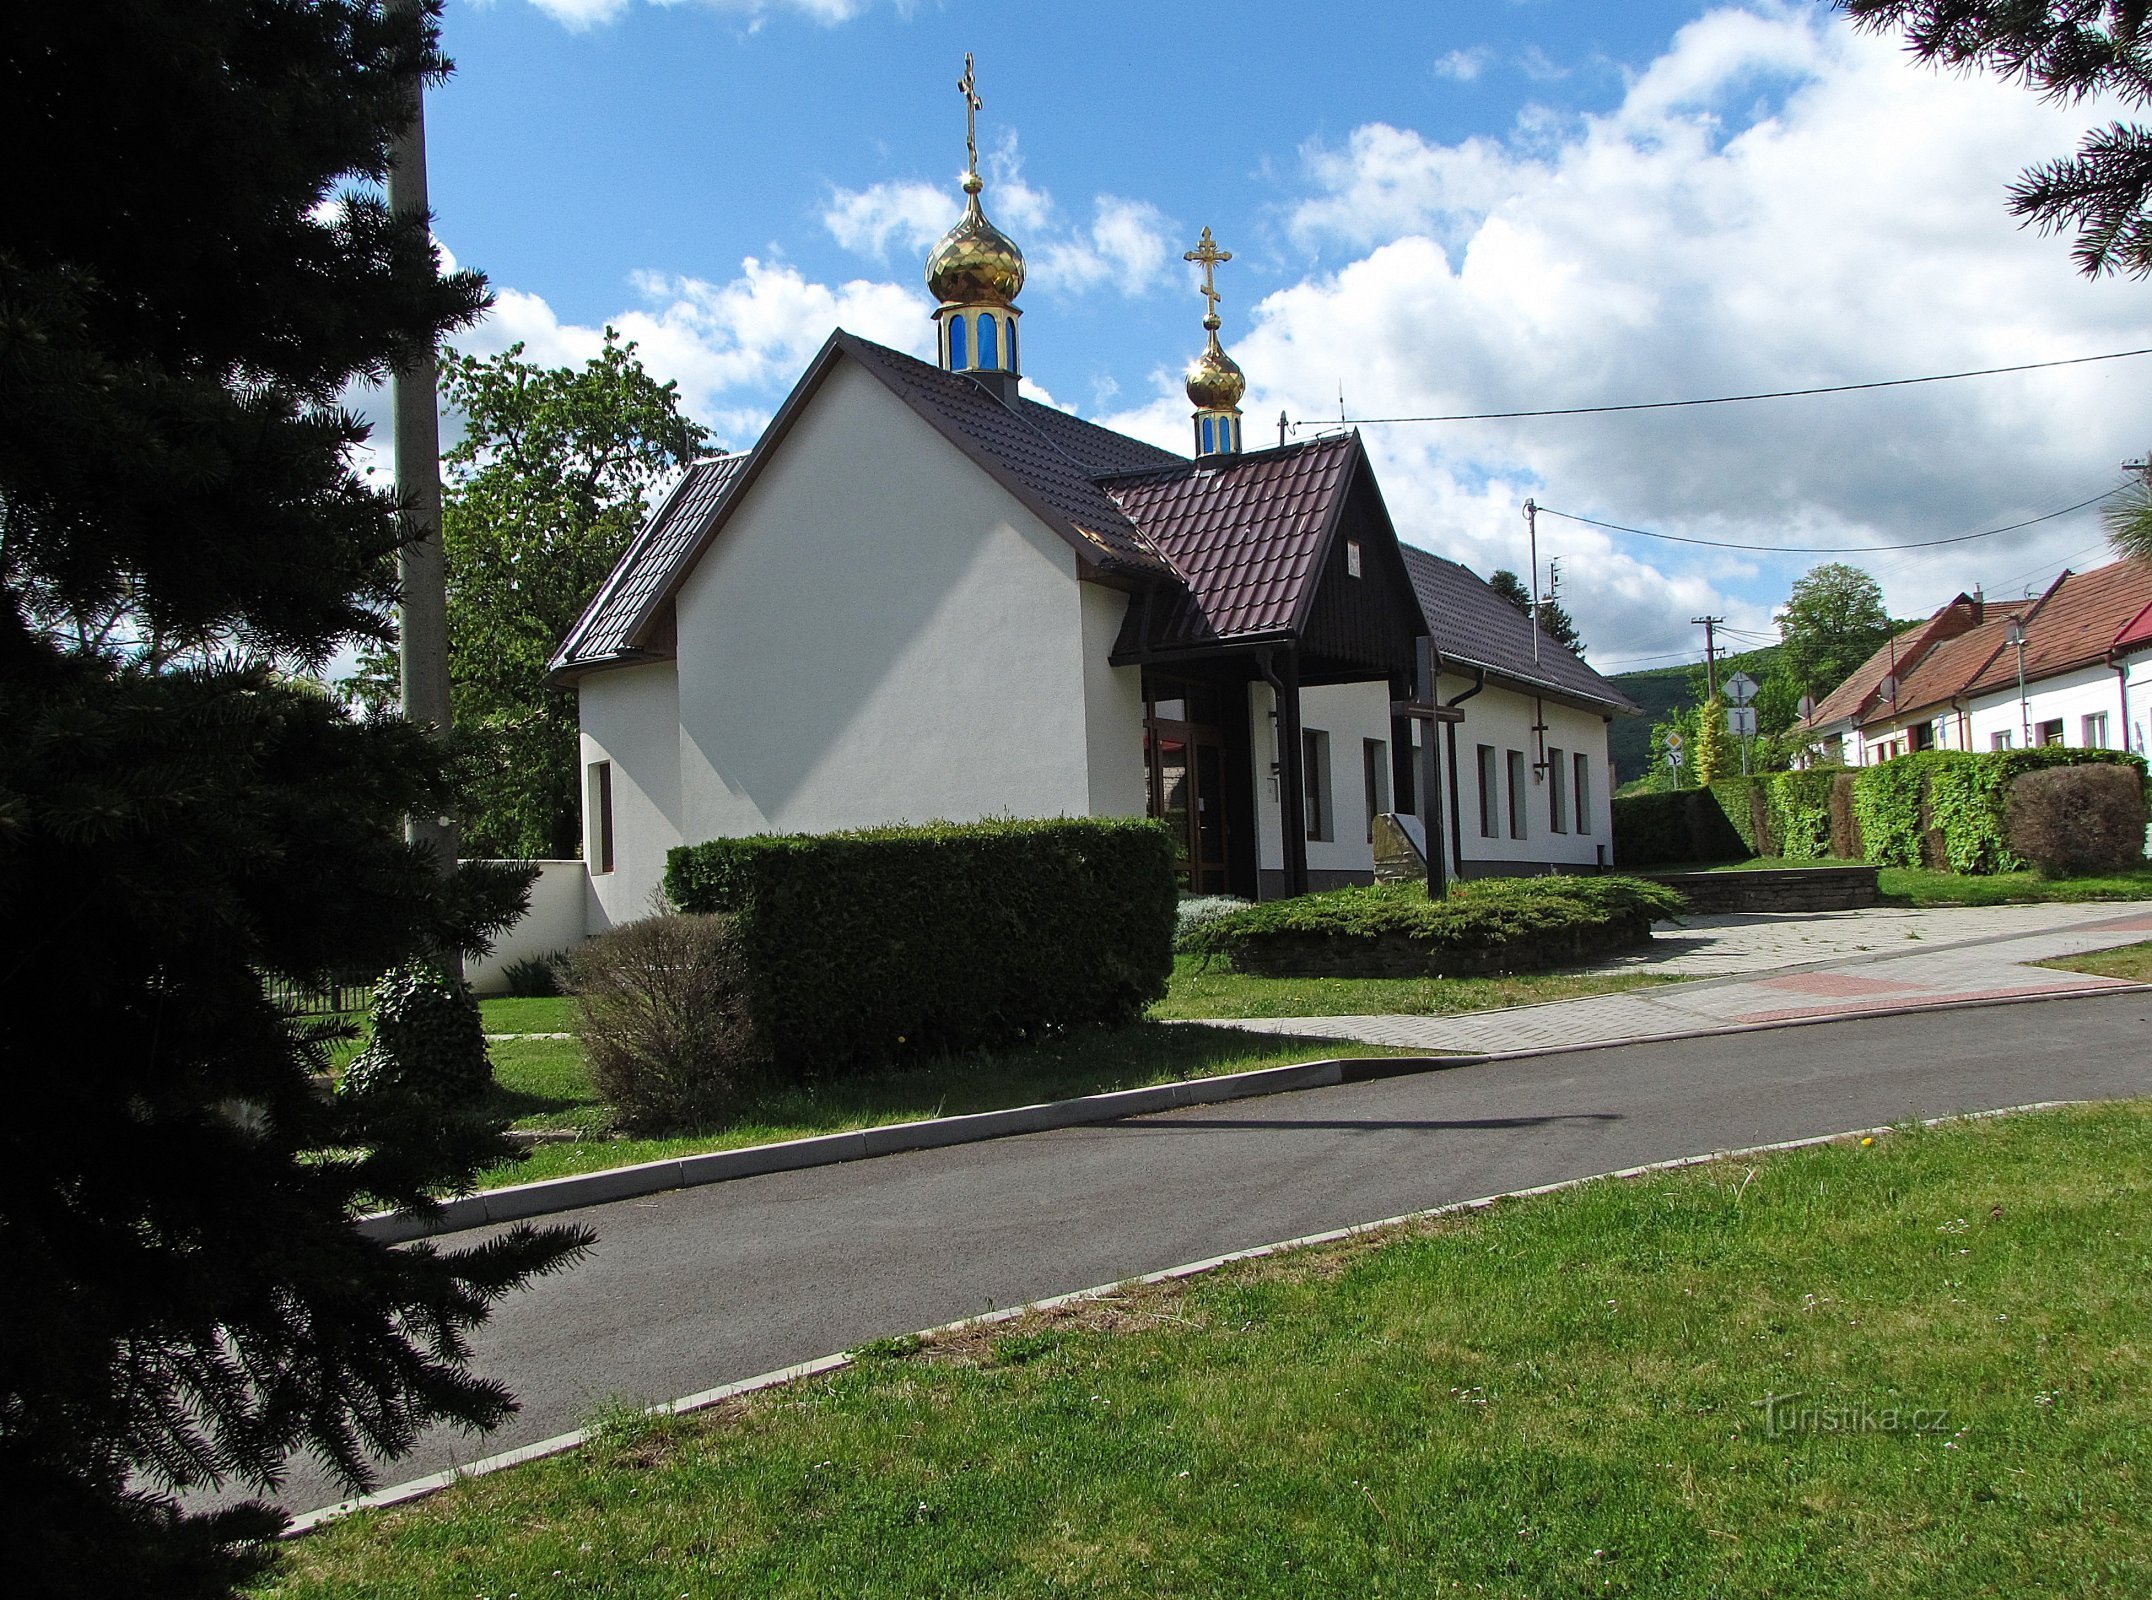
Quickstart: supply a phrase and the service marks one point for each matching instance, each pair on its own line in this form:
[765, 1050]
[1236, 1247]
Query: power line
[1731, 399]
[1825, 549]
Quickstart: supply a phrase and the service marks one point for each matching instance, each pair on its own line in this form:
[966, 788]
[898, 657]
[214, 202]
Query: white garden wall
[553, 923]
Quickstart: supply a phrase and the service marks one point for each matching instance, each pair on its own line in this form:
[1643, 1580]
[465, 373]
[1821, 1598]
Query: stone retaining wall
[1846, 886]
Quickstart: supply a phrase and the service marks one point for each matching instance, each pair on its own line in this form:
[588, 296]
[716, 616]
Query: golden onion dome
[1215, 381]
[975, 263]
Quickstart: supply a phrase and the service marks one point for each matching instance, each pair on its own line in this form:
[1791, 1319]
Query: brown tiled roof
[1245, 536]
[1473, 626]
[1863, 682]
[2075, 624]
[1940, 674]
[1051, 458]
[608, 623]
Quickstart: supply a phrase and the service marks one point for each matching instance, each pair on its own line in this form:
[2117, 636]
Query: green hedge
[874, 947]
[1679, 825]
[1936, 808]
[1393, 929]
[1951, 808]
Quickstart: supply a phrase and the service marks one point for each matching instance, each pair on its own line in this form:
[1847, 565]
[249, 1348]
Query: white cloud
[1127, 244]
[580, 15]
[733, 347]
[1776, 202]
[1462, 66]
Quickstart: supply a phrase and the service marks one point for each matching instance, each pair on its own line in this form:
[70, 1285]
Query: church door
[1184, 752]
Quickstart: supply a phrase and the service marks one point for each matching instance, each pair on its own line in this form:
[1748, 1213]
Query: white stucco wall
[882, 634]
[554, 922]
[2139, 667]
[1503, 718]
[1347, 713]
[630, 717]
[2071, 696]
[1113, 710]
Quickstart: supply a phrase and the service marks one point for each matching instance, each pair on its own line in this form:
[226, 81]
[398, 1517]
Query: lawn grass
[1217, 991]
[2131, 961]
[542, 1083]
[1918, 886]
[1563, 1396]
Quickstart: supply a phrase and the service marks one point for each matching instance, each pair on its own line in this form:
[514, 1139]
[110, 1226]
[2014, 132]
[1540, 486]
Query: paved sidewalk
[1763, 969]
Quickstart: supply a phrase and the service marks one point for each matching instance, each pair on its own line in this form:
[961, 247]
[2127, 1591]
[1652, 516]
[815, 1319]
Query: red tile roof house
[923, 595]
[1953, 683]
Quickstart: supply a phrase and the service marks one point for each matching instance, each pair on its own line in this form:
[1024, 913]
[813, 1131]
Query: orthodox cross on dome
[1208, 253]
[969, 83]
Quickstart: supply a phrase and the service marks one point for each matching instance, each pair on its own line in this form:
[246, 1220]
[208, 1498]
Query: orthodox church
[923, 595]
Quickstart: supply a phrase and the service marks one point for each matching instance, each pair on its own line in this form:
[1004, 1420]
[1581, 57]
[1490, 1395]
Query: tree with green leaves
[1832, 622]
[545, 488]
[1554, 621]
[2068, 51]
[182, 828]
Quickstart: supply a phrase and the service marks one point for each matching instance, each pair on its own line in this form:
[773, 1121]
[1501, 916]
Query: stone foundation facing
[1848, 886]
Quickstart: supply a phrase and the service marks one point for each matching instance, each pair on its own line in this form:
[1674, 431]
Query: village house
[2071, 666]
[924, 595]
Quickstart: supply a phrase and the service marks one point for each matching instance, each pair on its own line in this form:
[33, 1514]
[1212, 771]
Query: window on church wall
[598, 817]
[1584, 794]
[1352, 558]
[1206, 440]
[989, 357]
[958, 356]
[1557, 790]
[1518, 826]
[1375, 780]
[1490, 798]
[1013, 367]
[1315, 783]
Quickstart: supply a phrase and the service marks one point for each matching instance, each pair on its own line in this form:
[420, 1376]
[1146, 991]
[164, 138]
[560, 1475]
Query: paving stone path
[1753, 969]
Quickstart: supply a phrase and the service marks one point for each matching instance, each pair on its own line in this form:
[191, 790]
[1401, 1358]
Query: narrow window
[1013, 367]
[1557, 790]
[1489, 798]
[1407, 768]
[2095, 731]
[599, 848]
[1352, 558]
[958, 355]
[1207, 438]
[1584, 794]
[1375, 771]
[989, 347]
[1315, 781]
[1517, 825]
[1999, 741]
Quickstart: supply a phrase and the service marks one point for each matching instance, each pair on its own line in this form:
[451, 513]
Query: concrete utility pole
[422, 618]
[1710, 625]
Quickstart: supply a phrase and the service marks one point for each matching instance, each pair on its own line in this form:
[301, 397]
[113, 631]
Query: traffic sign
[1673, 739]
[1740, 688]
[1741, 721]
[1674, 757]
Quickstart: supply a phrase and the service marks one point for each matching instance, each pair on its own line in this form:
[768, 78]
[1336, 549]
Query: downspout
[2122, 684]
[1449, 729]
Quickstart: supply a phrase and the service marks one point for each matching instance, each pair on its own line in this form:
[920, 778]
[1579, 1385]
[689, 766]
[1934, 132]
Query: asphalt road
[688, 1290]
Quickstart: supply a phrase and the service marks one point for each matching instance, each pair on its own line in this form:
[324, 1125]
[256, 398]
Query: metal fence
[342, 994]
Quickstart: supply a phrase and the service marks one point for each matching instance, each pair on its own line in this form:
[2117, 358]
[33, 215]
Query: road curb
[560, 1444]
[551, 1196]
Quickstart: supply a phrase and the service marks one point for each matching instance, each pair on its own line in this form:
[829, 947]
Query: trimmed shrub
[1485, 926]
[1845, 826]
[887, 944]
[1196, 910]
[1887, 806]
[427, 1040]
[534, 977]
[1800, 810]
[666, 1016]
[2078, 819]
[1951, 808]
[1678, 825]
[1741, 804]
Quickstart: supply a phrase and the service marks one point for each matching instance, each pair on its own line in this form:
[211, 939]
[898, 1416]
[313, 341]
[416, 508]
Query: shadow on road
[1363, 1124]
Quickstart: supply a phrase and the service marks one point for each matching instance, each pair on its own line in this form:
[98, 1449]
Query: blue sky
[1440, 208]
